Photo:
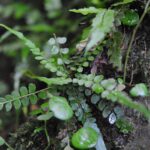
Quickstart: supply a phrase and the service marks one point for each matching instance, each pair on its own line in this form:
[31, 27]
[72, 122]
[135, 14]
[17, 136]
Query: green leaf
[109, 84]
[106, 111]
[139, 90]
[60, 107]
[8, 105]
[61, 40]
[84, 138]
[45, 117]
[81, 82]
[2, 141]
[97, 88]
[86, 11]
[24, 92]
[130, 18]
[95, 98]
[98, 78]
[17, 102]
[32, 88]
[100, 145]
[33, 99]
[2, 101]
[88, 92]
[88, 84]
[101, 105]
[102, 24]
[42, 95]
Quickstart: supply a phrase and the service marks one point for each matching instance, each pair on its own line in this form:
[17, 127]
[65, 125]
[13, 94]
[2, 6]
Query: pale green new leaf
[45, 117]
[102, 24]
[139, 90]
[109, 84]
[86, 11]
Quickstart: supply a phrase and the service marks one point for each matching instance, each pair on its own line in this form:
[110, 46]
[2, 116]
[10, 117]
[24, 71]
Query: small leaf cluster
[124, 126]
[83, 61]
[78, 103]
[54, 56]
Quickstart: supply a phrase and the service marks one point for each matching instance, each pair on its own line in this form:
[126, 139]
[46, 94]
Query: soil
[139, 62]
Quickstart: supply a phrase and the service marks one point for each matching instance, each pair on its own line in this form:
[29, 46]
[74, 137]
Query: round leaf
[139, 90]
[109, 84]
[106, 112]
[95, 98]
[60, 107]
[85, 138]
[112, 118]
[97, 88]
[64, 50]
[61, 40]
[98, 78]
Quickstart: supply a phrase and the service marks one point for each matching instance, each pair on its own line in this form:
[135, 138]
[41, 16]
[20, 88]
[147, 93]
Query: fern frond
[22, 97]
[36, 52]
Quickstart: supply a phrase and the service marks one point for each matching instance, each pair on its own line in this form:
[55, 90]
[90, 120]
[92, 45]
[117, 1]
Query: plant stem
[9, 146]
[133, 37]
[47, 136]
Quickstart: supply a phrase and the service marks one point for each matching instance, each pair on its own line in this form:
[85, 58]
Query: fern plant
[72, 88]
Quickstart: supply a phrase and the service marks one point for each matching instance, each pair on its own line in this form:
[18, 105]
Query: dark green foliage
[130, 18]
[124, 126]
